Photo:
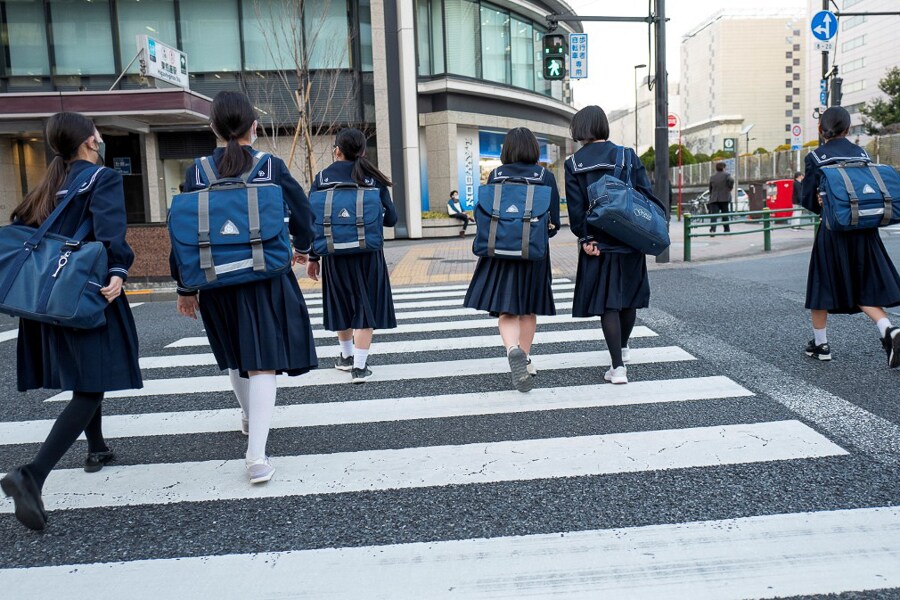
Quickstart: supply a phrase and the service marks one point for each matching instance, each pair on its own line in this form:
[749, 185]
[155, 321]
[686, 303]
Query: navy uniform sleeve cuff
[185, 291]
[119, 272]
[586, 239]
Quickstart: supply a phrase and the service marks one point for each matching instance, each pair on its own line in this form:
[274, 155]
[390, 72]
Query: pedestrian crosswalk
[435, 479]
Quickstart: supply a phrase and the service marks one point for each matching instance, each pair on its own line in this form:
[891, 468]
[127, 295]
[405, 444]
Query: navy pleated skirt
[103, 359]
[356, 292]
[610, 282]
[260, 326]
[514, 287]
[849, 269]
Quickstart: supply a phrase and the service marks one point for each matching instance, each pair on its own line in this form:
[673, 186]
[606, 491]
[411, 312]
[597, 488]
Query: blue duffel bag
[859, 195]
[53, 278]
[348, 219]
[513, 220]
[616, 208]
[231, 232]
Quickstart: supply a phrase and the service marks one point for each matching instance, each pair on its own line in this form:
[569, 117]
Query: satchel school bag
[859, 194]
[621, 211]
[233, 231]
[53, 278]
[513, 220]
[348, 219]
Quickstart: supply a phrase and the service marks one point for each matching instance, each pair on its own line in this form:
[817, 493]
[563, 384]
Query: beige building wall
[11, 190]
[622, 121]
[744, 67]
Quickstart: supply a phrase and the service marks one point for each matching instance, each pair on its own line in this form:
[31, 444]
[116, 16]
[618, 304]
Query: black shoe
[820, 352]
[518, 369]
[891, 344]
[25, 493]
[96, 460]
[343, 364]
[360, 375]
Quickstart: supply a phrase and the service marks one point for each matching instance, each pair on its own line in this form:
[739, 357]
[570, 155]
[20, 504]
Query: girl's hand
[591, 249]
[313, 269]
[188, 306]
[299, 258]
[114, 289]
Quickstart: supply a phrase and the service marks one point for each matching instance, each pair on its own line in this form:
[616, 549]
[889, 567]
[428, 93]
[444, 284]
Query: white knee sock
[346, 348]
[262, 405]
[241, 389]
[359, 358]
[883, 325]
[821, 338]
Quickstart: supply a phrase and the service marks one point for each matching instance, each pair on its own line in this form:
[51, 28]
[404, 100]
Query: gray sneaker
[518, 368]
[360, 375]
[260, 471]
[343, 364]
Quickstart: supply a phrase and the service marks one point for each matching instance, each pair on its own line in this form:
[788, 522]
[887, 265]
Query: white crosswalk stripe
[9, 335]
[756, 556]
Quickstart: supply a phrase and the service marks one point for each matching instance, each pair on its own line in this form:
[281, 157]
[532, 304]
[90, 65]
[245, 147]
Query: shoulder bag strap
[620, 162]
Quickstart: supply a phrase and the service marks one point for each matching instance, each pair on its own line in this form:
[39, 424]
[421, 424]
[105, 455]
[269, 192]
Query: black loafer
[24, 491]
[96, 460]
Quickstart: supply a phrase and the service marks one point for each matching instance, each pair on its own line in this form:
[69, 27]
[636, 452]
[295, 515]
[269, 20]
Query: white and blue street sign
[823, 25]
[578, 62]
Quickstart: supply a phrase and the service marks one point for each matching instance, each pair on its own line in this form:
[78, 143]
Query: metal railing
[767, 223]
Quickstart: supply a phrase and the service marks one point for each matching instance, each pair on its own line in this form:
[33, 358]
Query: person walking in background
[849, 271]
[89, 362]
[259, 328]
[455, 210]
[720, 186]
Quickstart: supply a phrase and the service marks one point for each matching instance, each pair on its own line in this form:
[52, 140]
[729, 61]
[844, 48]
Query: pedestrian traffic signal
[555, 50]
[837, 93]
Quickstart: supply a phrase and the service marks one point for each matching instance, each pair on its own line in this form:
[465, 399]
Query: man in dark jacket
[720, 186]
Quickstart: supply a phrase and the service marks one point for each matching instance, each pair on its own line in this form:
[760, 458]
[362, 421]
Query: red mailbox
[780, 196]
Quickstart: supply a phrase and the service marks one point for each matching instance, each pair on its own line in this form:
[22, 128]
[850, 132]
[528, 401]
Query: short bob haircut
[590, 125]
[520, 146]
[720, 166]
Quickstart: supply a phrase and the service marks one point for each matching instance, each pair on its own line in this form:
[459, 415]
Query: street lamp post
[636, 67]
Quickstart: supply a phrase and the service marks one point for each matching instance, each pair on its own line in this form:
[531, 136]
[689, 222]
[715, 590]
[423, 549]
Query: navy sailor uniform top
[274, 171]
[583, 168]
[834, 151]
[533, 175]
[102, 203]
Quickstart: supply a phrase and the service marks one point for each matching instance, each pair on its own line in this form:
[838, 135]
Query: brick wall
[151, 248]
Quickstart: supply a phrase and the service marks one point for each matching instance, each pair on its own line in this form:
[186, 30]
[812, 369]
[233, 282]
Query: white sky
[614, 48]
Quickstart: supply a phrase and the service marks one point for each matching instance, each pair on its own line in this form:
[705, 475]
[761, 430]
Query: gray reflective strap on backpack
[526, 220]
[495, 220]
[854, 199]
[256, 245]
[206, 259]
[326, 220]
[360, 221]
[208, 171]
[888, 201]
[257, 162]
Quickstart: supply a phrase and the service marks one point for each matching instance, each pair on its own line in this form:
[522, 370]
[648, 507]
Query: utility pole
[661, 167]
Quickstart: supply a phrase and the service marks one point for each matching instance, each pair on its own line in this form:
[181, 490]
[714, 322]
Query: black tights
[617, 326]
[82, 413]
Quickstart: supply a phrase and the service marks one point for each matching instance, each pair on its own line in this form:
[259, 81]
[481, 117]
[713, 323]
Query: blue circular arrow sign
[824, 25]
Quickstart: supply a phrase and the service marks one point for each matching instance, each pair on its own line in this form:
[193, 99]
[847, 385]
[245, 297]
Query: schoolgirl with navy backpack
[517, 289]
[849, 271]
[259, 328]
[611, 280]
[356, 288]
[87, 361]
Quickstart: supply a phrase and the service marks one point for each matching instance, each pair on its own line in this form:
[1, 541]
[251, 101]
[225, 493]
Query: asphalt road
[781, 480]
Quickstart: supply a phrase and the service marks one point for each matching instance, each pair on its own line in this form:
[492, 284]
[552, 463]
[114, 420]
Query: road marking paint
[9, 335]
[433, 288]
[401, 306]
[442, 294]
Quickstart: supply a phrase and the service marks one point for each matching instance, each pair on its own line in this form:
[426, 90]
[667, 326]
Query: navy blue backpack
[859, 195]
[231, 232]
[53, 278]
[348, 219]
[513, 220]
[616, 208]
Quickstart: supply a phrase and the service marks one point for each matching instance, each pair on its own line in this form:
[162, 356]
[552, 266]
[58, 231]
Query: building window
[849, 3]
[495, 45]
[153, 19]
[27, 39]
[856, 86]
[463, 47]
[855, 108]
[522, 36]
[541, 85]
[327, 33]
[365, 36]
[82, 37]
[209, 35]
[430, 37]
[854, 43]
[272, 40]
[853, 65]
[851, 22]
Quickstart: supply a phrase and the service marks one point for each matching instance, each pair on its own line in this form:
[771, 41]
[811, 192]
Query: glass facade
[156, 19]
[26, 38]
[482, 41]
[82, 37]
[206, 20]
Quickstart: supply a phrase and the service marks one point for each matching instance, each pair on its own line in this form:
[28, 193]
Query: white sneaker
[532, 370]
[260, 471]
[617, 375]
[626, 354]
[245, 424]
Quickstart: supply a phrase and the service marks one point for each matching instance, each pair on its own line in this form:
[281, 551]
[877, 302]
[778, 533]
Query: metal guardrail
[764, 218]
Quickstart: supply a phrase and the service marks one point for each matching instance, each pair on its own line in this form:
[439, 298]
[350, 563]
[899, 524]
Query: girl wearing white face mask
[88, 362]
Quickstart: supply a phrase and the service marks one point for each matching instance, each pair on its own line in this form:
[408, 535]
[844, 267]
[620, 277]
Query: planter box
[438, 228]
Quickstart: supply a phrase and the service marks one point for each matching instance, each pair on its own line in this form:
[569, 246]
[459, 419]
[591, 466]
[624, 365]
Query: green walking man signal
[556, 47]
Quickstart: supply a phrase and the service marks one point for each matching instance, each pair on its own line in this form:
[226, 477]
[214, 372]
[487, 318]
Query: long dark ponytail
[352, 144]
[66, 131]
[232, 116]
[834, 122]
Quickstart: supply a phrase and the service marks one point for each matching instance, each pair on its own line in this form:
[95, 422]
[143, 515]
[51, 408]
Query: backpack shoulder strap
[207, 167]
[259, 159]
